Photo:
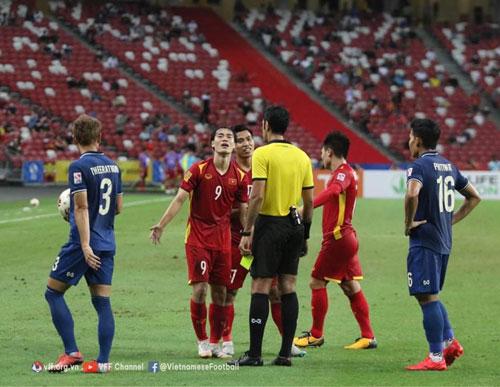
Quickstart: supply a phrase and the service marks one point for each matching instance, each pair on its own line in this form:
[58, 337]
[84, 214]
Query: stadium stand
[180, 50]
[476, 48]
[377, 70]
[45, 64]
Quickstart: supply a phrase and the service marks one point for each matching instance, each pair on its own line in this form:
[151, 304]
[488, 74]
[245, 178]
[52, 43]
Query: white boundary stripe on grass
[126, 205]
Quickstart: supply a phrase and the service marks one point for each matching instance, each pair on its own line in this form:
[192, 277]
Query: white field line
[126, 205]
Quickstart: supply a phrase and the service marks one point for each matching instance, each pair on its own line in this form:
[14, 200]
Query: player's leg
[100, 296]
[66, 271]
[452, 347]
[99, 283]
[424, 272]
[361, 311]
[319, 308]
[227, 333]
[219, 279]
[217, 318]
[275, 301]
[199, 265]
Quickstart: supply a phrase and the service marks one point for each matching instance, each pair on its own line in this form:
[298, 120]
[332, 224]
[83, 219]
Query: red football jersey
[212, 198]
[235, 220]
[338, 201]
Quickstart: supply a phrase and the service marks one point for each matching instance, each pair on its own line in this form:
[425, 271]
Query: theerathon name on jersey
[442, 167]
[100, 169]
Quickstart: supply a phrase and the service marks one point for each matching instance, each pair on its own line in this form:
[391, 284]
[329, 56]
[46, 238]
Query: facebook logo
[153, 366]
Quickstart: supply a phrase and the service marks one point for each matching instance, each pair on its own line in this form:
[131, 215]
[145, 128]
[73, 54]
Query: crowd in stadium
[371, 65]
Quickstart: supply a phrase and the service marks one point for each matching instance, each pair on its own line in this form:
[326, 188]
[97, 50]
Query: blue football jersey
[436, 201]
[101, 178]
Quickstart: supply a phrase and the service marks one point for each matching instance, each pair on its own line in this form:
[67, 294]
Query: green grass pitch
[151, 304]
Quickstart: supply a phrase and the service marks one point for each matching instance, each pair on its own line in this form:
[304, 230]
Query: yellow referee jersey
[287, 171]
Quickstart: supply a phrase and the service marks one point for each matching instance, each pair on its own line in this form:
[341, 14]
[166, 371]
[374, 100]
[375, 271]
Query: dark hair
[338, 143]
[240, 128]
[212, 135]
[427, 130]
[278, 119]
[190, 147]
[86, 130]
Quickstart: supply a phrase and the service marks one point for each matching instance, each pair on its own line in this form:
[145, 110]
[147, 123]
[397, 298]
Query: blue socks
[448, 333]
[62, 319]
[106, 327]
[433, 325]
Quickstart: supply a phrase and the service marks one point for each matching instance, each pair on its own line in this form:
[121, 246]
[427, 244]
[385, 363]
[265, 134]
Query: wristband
[245, 233]
[307, 229]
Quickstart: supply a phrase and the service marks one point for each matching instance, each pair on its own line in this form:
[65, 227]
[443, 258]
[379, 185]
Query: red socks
[217, 319]
[276, 313]
[199, 318]
[227, 333]
[361, 311]
[319, 308]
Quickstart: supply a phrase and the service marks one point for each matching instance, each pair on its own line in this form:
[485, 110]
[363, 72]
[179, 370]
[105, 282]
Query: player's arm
[254, 206]
[472, 199]
[172, 210]
[242, 212]
[119, 204]
[411, 203]
[328, 194]
[81, 212]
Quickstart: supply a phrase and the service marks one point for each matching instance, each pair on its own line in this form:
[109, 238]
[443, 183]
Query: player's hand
[304, 249]
[92, 260]
[155, 235]
[246, 245]
[414, 224]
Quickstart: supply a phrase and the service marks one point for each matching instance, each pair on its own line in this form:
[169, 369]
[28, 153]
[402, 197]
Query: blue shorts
[426, 271]
[70, 266]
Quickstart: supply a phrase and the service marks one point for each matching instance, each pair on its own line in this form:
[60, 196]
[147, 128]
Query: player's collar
[90, 153]
[279, 141]
[429, 153]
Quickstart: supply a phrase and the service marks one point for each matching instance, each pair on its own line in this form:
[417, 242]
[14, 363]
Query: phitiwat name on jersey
[100, 169]
[442, 167]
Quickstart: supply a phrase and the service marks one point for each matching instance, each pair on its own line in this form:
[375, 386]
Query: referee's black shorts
[276, 246]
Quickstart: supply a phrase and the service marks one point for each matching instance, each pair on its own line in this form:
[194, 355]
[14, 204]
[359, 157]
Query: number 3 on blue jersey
[107, 188]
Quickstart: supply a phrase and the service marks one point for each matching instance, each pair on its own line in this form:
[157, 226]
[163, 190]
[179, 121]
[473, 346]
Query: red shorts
[204, 265]
[238, 272]
[338, 260]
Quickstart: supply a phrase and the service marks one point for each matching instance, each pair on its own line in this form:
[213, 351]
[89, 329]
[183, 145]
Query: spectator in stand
[144, 163]
[205, 113]
[173, 170]
[188, 157]
[494, 164]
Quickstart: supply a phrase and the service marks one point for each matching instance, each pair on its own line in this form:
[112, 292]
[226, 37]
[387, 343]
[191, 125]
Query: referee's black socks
[259, 310]
[289, 315]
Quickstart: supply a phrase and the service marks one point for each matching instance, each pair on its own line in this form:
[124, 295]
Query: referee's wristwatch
[245, 233]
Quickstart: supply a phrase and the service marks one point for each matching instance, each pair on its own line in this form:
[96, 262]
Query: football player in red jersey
[213, 185]
[338, 258]
[244, 147]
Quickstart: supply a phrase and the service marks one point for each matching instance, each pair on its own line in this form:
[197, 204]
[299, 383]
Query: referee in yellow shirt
[274, 232]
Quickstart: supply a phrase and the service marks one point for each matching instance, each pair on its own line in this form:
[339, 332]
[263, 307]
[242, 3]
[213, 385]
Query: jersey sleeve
[259, 166]
[415, 172]
[76, 178]
[340, 182]
[461, 181]
[190, 180]
[308, 181]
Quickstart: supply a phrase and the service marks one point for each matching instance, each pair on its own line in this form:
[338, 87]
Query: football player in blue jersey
[96, 197]
[429, 205]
